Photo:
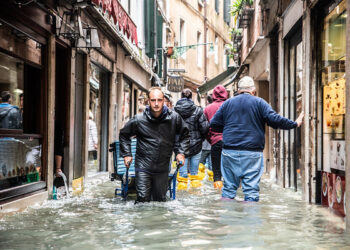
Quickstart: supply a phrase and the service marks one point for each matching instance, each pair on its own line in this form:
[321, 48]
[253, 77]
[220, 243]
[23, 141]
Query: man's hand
[127, 161]
[300, 119]
[58, 171]
[180, 158]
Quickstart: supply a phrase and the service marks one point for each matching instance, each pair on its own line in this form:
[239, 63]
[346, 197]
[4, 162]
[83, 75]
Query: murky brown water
[201, 220]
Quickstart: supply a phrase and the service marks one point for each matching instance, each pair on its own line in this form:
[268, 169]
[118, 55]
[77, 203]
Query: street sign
[175, 83]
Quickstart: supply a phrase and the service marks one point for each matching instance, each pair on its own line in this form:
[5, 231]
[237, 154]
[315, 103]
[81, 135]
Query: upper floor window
[216, 49]
[182, 35]
[217, 6]
[199, 50]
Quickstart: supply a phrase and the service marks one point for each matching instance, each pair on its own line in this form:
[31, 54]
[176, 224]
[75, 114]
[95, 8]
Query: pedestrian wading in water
[198, 126]
[155, 130]
[242, 121]
[215, 138]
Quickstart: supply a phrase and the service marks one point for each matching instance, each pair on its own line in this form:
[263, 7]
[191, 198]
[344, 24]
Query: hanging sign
[175, 83]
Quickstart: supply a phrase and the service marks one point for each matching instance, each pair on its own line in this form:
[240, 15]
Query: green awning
[219, 79]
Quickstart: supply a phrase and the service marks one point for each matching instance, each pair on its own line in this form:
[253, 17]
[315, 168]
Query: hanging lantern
[71, 27]
[89, 39]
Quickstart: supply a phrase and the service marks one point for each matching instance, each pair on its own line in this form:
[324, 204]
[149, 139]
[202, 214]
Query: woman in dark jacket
[198, 126]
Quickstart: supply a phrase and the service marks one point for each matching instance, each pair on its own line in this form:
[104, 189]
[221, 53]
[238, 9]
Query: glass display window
[332, 75]
[20, 162]
[126, 108]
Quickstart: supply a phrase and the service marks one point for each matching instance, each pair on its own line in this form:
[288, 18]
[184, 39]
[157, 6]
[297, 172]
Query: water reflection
[281, 220]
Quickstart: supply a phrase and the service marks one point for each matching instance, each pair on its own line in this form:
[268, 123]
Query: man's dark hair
[186, 93]
[210, 99]
[5, 96]
[21, 95]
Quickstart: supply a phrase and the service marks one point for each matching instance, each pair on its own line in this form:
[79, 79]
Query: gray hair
[246, 83]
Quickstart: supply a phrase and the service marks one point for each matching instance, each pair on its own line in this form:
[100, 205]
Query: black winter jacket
[155, 140]
[197, 124]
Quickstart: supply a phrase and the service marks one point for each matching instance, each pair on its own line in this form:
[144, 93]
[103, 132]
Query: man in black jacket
[155, 129]
[198, 126]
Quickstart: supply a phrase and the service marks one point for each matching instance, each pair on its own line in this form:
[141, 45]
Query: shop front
[331, 73]
[98, 122]
[23, 112]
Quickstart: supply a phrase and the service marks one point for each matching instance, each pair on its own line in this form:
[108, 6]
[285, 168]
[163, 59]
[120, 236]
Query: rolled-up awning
[219, 79]
[236, 74]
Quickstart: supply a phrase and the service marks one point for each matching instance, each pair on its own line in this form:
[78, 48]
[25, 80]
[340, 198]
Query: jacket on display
[155, 139]
[197, 124]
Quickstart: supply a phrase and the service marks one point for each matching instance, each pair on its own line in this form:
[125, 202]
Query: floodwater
[196, 220]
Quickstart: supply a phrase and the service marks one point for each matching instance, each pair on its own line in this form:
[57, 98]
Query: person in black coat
[156, 130]
[198, 126]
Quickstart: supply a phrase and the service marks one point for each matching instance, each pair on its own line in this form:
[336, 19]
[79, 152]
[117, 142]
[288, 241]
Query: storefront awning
[219, 79]
[236, 74]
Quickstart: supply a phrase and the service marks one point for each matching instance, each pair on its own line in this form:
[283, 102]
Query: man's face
[156, 100]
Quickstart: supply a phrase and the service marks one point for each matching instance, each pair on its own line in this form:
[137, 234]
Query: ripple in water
[198, 219]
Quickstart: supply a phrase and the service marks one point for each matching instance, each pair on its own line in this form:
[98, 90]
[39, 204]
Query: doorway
[294, 108]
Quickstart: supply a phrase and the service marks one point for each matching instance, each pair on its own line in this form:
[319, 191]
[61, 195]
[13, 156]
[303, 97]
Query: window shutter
[150, 28]
[217, 5]
[227, 14]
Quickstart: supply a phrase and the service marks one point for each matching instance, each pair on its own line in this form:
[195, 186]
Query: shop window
[20, 118]
[142, 101]
[333, 44]
[126, 109]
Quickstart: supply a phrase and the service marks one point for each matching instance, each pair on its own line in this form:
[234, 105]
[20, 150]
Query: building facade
[68, 66]
[299, 54]
[199, 31]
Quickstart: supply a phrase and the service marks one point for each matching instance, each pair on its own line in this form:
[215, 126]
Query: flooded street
[201, 220]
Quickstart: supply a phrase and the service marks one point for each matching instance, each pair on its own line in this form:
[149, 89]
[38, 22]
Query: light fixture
[89, 39]
[82, 3]
[71, 27]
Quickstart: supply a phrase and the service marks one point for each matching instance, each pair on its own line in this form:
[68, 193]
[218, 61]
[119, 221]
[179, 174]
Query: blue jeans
[206, 157]
[194, 162]
[237, 165]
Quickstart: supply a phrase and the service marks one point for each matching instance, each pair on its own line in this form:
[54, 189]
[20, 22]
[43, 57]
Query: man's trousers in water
[237, 165]
[151, 186]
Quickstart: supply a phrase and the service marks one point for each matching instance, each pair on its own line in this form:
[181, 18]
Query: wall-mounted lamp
[89, 39]
[71, 27]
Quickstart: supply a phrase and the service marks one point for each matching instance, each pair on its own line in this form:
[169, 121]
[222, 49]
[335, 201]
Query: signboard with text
[175, 83]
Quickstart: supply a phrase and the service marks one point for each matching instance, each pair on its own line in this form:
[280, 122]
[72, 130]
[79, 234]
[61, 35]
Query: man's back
[242, 120]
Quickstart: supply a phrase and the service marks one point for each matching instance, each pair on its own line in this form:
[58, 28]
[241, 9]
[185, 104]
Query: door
[294, 107]
[104, 120]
